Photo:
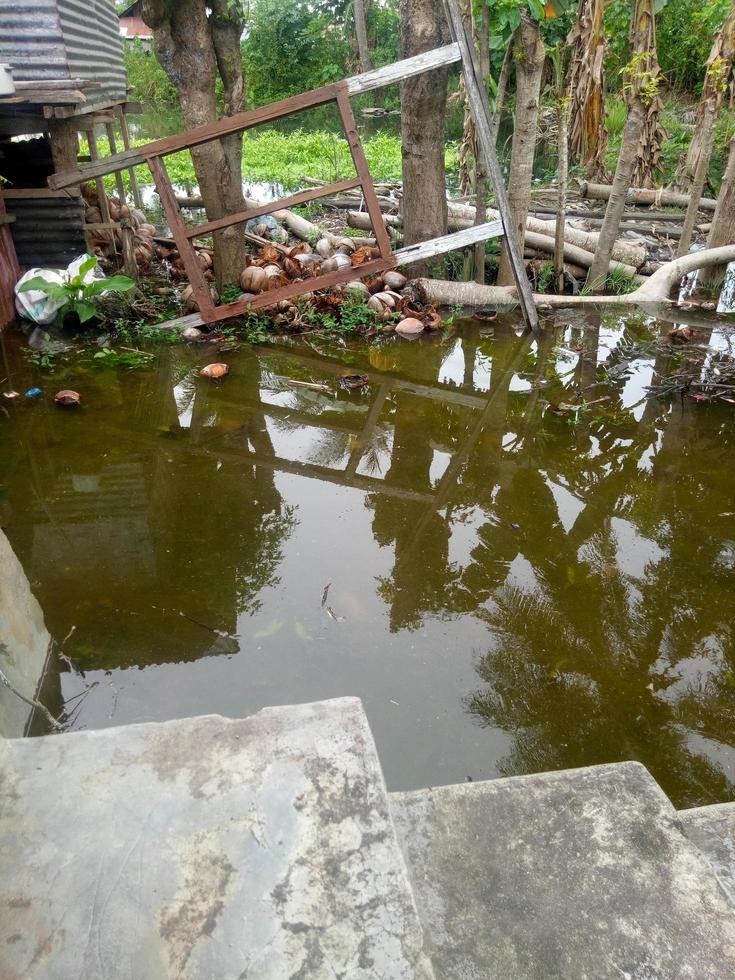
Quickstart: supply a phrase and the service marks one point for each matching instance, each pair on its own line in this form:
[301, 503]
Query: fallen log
[574, 253]
[361, 220]
[540, 260]
[654, 290]
[625, 252]
[644, 195]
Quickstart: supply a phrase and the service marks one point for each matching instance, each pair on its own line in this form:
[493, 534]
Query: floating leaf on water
[300, 631]
[270, 630]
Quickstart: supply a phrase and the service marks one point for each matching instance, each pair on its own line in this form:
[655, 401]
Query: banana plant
[74, 294]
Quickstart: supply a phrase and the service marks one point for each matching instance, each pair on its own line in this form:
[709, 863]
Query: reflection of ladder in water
[339, 93]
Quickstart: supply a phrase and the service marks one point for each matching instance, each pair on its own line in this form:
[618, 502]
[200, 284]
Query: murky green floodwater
[508, 590]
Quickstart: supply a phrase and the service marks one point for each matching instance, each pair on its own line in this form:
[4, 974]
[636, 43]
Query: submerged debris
[66, 398]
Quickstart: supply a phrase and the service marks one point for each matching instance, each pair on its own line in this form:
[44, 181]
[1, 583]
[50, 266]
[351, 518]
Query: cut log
[361, 220]
[642, 195]
[625, 252]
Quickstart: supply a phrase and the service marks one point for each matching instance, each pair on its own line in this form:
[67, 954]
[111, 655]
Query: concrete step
[712, 829]
[580, 875]
[205, 848]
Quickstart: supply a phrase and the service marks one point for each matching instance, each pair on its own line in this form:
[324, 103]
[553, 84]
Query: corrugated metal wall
[93, 45]
[47, 231]
[64, 39]
[31, 39]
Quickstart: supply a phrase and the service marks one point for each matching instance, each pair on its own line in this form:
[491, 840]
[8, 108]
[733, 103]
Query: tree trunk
[501, 88]
[423, 107]
[719, 71]
[618, 193]
[363, 50]
[723, 223]
[587, 133]
[481, 181]
[561, 201]
[707, 135]
[529, 56]
[185, 47]
[642, 78]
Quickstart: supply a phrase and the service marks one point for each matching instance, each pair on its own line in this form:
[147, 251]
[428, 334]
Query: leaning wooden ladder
[154, 153]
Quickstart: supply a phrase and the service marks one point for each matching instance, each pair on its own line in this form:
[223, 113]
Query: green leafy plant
[74, 294]
[109, 357]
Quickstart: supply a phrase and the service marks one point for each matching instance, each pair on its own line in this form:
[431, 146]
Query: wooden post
[99, 182]
[64, 143]
[137, 199]
[480, 110]
[110, 129]
[127, 234]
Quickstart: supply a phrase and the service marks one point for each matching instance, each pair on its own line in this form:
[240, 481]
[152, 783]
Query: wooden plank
[99, 184]
[274, 296]
[447, 243]
[285, 202]
[480, 111]
[110, 130]
[56, 83]
[193, 270]
[125, 132]
[390, 74]
[41, 193]
[363, 171]
[66, 112]
[6, 219]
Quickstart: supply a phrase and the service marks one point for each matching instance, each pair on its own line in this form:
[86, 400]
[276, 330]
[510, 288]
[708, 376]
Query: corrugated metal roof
[44, 39]
[48, 231]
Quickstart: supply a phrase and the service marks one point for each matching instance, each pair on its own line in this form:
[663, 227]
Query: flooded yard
[516, 558]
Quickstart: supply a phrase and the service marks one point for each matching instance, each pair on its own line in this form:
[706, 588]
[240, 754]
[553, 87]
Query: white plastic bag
[35, 305]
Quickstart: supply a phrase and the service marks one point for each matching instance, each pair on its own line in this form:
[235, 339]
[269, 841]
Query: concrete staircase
[267, 848]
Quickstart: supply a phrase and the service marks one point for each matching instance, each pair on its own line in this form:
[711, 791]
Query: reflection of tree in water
[590, 664]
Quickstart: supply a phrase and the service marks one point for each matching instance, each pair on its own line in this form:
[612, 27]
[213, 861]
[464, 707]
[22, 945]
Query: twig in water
[33, 703]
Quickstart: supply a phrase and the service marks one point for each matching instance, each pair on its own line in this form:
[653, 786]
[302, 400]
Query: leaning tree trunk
[529, 57]
[717, 78]
[186, 49]
[587, 133]
[359, 14]
[637, 149]
[501, 89]
[722, 231]
[423, 106]
[616, 202]
[700, 175]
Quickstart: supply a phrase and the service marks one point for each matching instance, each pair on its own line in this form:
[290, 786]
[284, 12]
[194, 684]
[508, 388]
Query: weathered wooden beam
[448, 243]
[312, 194]
[480, 111]
[399, 70]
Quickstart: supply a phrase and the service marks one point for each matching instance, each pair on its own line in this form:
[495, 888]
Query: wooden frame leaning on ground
[461, 50]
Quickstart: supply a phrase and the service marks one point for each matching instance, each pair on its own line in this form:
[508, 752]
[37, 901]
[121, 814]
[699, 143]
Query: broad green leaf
[115, 284]
[85, 311]
[497, 42]
[537, 9]
[89, 263]
[38, 282]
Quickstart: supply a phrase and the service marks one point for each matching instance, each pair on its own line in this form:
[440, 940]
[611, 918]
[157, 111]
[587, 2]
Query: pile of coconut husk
[274, 265]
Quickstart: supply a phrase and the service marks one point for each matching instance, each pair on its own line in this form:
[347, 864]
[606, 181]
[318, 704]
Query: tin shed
[46, 40]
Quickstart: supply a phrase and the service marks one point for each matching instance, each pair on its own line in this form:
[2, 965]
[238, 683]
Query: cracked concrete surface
[577, 875]
[205, 848]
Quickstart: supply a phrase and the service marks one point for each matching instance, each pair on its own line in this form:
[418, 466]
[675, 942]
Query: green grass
[285, 158]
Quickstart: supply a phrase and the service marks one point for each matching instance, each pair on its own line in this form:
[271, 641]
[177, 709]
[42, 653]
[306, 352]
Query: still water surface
[507, 589]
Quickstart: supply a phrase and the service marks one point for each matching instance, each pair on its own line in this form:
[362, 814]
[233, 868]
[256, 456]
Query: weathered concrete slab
[205, 848]
[712, 829]
[578, 874]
